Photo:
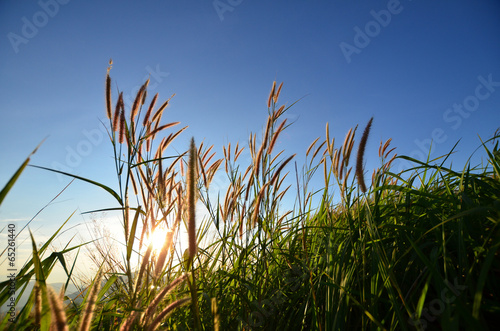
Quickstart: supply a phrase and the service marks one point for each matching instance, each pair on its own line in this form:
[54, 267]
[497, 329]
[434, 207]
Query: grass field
[398, 251]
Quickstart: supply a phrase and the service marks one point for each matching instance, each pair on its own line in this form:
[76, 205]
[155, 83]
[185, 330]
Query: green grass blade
[104, 187]
[130, 239]
[482, 280]
[16, 175]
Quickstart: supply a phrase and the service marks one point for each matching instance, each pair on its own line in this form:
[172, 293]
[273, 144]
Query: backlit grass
[398, 251]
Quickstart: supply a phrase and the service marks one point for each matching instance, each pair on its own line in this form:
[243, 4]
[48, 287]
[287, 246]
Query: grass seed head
[122, 132]
[275, 136]
[116, 116]
[167, 311]
[271, 95]
[38, 303]
[153, 305]
[277, 94]
[191, 195]
[57, 311]
[150, 109]
[361, 152]
[108, 96]
[88, 312]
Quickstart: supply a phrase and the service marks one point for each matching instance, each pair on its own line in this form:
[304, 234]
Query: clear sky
[424, 69]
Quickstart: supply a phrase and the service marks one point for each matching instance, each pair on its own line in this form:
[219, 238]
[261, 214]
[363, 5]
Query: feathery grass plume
[278, 171]
[382, 148]
[167, 311]
[160, 261]
[318, 149]
[121, 136]
[206, 158]
[116, 116]
[271, 95]
[237, 152]
[159, 112]
[134, 184]
[311, 146]
[57, 311]
[145, 261]
[213, 170]
[191, 199]
[278, 93]
[328, 138]
[152, 134]
[150, 109]
[280, 111]
[386, 145]
[335, 162]
[38, 304]
[255, 214]
[226, 159]
[325, 174]
[347, 146]
[88, 311]
[203, 173]
[127, 324]
[268, 130]
[359, 159]
[257, 161]
[150, 311]
[346, 140]
[138, 100]
[144, 95]
[275, 136]
[392, 158]
[108, 96]
[341, 163]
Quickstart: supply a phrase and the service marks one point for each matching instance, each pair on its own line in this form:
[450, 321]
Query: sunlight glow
[158, 237]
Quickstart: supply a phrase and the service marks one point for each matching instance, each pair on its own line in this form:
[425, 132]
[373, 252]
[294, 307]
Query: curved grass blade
[104, 187]
[113, 209]
[16, 175]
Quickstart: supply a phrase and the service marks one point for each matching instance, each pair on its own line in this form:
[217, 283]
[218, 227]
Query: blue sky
[423, 69]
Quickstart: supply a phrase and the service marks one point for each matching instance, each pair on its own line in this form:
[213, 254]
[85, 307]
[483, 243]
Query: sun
[158, 237]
